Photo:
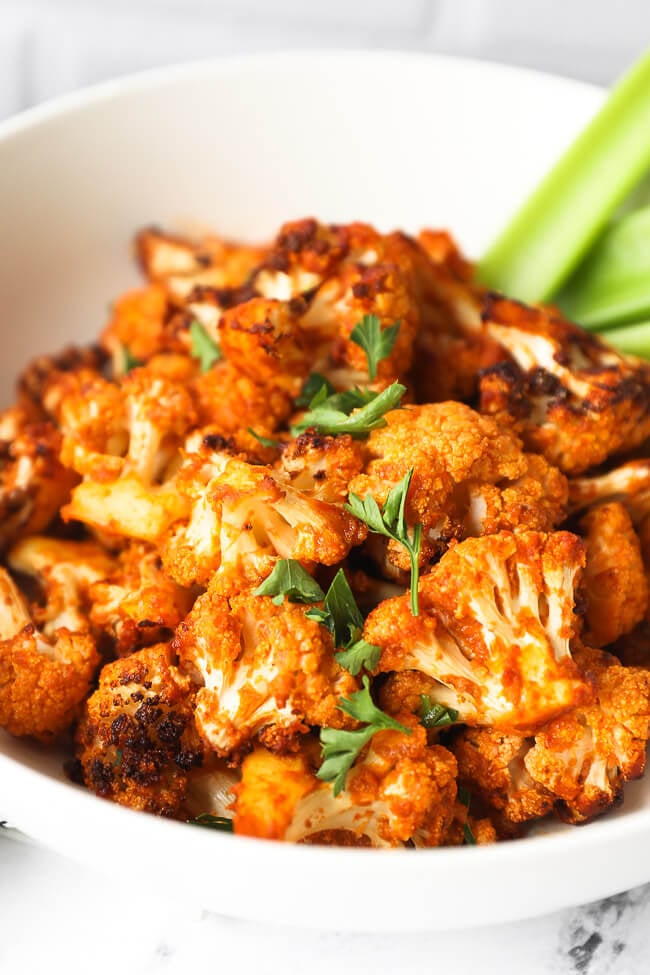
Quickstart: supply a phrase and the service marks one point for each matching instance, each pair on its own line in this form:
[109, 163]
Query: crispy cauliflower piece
[614, 577]
[323, 466]
[142, 323]
[229, 400]
[42, 384]
[303, 254]
[572, 397]
[65, 572]
[244, 517]
[125, 440]
[398, 789]
[33, 482]
[576, 764]
[42, 681]
[629, 484]
[495, 626]
[136, 740]
[210, 789]
[470, 477]
[267, 671]
[134, 602]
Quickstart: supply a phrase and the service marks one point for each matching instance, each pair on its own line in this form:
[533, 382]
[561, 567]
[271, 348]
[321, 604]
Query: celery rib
[631, 339]
[555, 228]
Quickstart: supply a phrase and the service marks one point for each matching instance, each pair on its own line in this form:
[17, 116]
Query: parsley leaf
[265, 441]
[329, 415]
[358, 655]
[376, 342]
[341, 748]
[313, 385]
[343, 619]
[465, 796]
[213, 822]
[435, 715]
[291, 580]
[129, 361]
[203, 346]
[390, 521]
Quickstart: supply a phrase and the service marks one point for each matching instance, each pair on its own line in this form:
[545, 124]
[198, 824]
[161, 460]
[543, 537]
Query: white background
[55, 916]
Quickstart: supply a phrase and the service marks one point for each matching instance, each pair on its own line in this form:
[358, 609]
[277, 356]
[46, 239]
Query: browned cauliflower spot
[495, 628]
[399, 790]
[470, 477]
[136, 740]
[572, 398]
[576, 764]
[43, 680]
[268, 672]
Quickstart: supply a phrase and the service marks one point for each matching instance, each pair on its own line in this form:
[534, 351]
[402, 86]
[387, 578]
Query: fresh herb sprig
[333, 414]
[341, 748]
[203, 346]
[343, 619]
[221, 823]
[291, 580]
[264, 441]
[434, 715]
[390, 521]
[128, 360]
[465, 797]
[376, 342]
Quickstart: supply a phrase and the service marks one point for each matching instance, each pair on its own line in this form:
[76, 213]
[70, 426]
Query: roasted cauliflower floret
[576, 764]
[136, 739]
[614, 579]
[142, 325]
[42, 681]
[629, 484]
[65, 571]
[230, 400]
[267, 672]
[302, 255]
[125, 440]
[135, 603]
[470, 477]
[322, 466]
[243, 518]
[572, 398]
[399, 789]
[42, 384]
[495, 626]
[33, 482]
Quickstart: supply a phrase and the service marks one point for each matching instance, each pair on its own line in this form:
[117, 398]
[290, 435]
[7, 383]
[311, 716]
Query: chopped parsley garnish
[436, 715]
[129, 361]
[390, 521]
[465, 797]
[203, 346]
[341, 748]
[376, 342]
[291, 580]
[333, 414]
[265, 441]
[313, 385]
[222, 823]
[343, 619]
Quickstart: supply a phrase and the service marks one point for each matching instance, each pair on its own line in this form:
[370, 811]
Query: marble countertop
[57, 916]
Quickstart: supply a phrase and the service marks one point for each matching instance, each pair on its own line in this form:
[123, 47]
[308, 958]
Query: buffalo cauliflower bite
[229, 400]
[614, 578]
[136, 740]
[629, 484]
[141, 323]
[267, 672]
[42, 680]
[135, 603]
[125, 440]
[399, 789]
[246, 516]
[495, 627]
[322, 466]
[303, 254]
[578, 763]
[470, 477]
[33, 482]
[572, 398]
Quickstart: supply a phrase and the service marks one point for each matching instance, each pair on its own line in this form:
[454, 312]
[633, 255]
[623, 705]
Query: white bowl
[244, 144]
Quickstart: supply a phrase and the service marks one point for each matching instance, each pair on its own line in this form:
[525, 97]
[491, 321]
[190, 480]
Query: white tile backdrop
[51, 46]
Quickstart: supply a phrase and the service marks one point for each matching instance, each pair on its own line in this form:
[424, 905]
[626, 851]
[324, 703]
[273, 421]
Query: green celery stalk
[631, 339]
[556, 226]
[612, 285]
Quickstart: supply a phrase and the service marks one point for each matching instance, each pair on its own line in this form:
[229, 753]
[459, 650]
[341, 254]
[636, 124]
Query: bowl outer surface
[242, 145]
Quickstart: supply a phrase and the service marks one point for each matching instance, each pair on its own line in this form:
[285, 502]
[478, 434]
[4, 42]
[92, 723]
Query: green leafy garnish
[129, 361]
[554, 229]
[203, 346]
[213, 822]
[291, 580]
[465, 796]
[328, 417]
[343, 619]
[313, 385]
[376, 342]
[436, 715]
[265, 441]
[341, 748]
[390, 521]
